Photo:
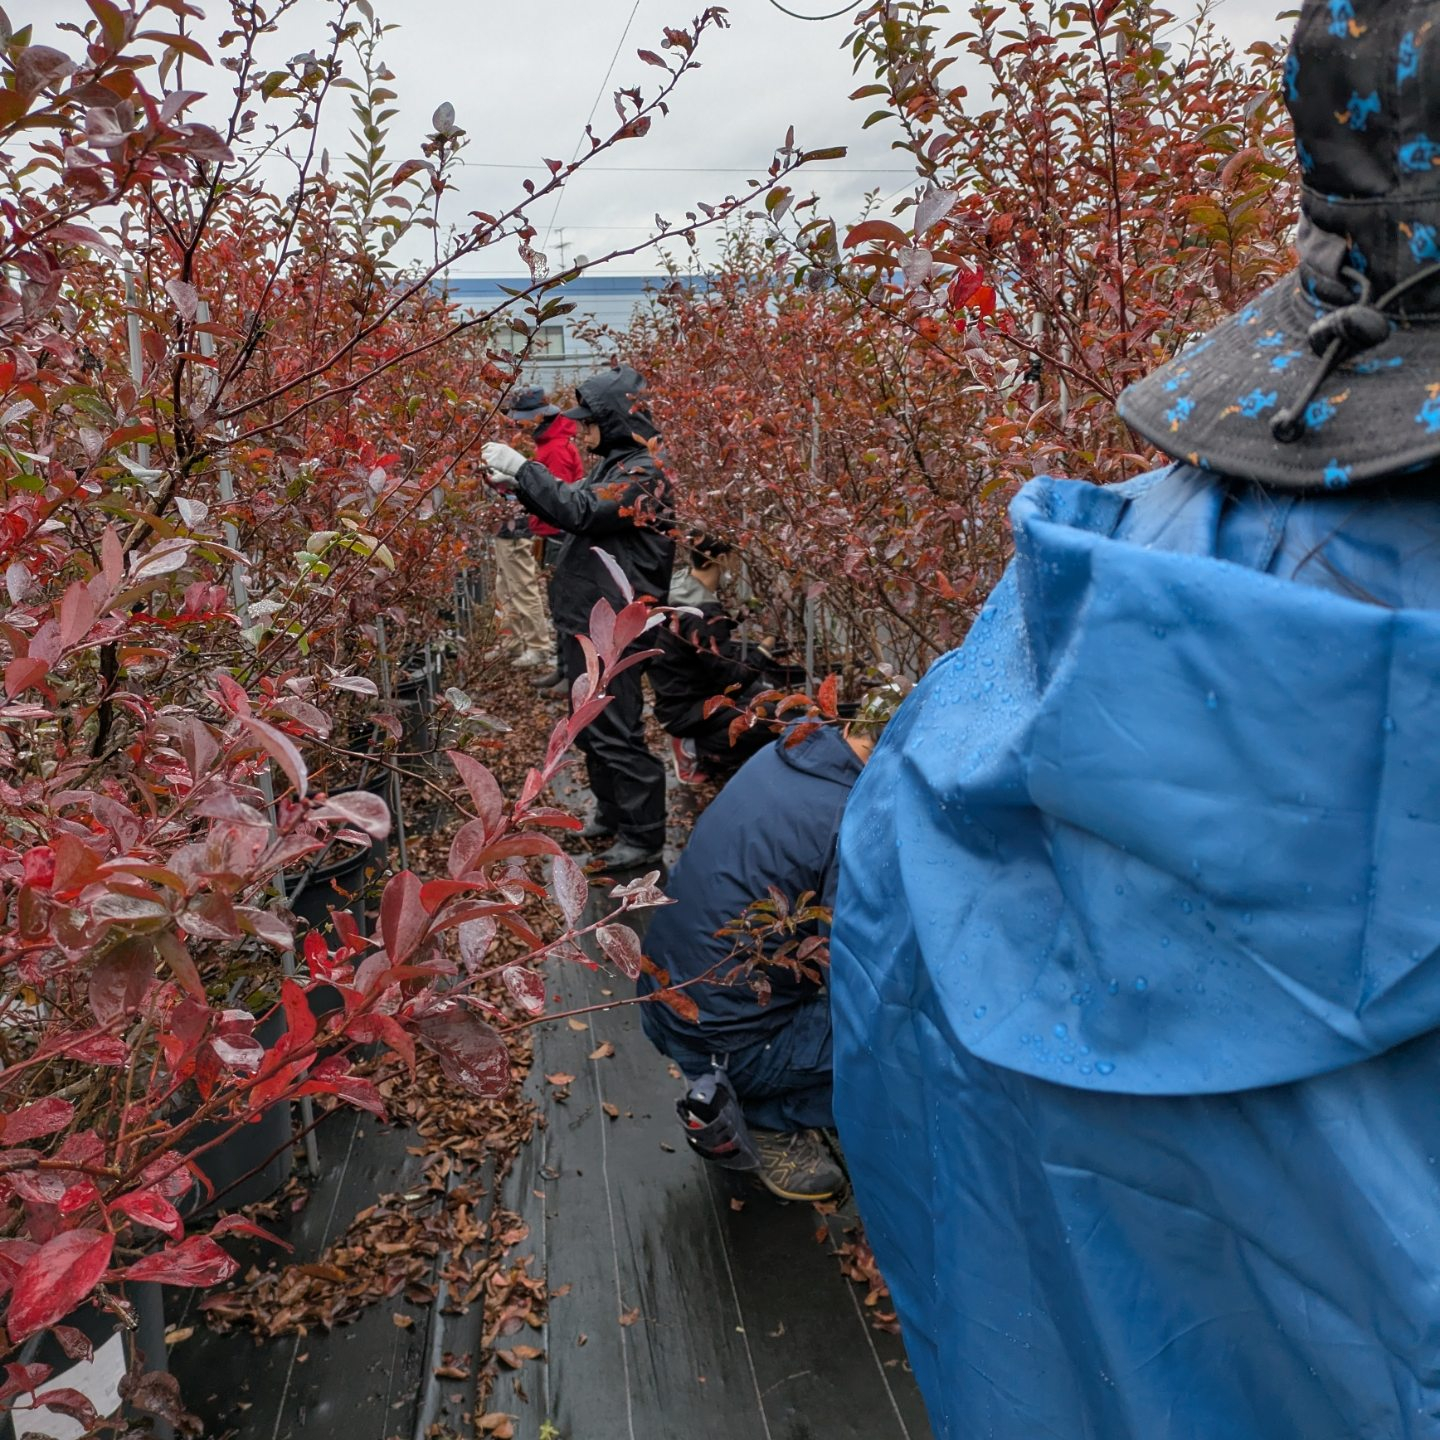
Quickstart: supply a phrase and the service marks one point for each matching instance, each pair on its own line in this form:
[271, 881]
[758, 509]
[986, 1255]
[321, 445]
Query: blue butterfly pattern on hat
[1345, 351]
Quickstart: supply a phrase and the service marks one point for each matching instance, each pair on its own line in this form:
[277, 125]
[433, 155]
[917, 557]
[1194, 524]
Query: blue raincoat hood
[1246, 940]
[1134, 976]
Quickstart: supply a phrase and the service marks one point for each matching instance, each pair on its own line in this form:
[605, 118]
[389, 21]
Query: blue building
[567, 348]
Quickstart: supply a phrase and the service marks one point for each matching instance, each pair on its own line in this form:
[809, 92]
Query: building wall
[561, 355]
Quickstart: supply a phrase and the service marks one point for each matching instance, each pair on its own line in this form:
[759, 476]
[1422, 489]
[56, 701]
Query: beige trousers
[519, 599]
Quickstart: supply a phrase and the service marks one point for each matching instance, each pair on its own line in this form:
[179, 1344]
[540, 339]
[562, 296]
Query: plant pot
[413, 705]
[98, 1379]
[340, 884]
[255, 1159]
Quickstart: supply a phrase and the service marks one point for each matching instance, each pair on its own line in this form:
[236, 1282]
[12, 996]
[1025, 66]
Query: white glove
[502, 459]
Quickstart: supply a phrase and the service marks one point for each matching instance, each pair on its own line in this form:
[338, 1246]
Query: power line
[599, 95]
[684, 169]
[796, 15]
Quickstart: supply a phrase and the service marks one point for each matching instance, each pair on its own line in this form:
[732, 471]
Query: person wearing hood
[758, 1050]
[556, 450]
[700, 659]
[623, 507]
[521, 601]
[1136, 956]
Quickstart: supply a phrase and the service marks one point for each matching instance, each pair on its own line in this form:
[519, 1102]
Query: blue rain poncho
[1136, 976]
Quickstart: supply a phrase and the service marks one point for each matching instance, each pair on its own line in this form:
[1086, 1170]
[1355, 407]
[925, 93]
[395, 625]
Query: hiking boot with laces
[684, 762]
[798, 1165]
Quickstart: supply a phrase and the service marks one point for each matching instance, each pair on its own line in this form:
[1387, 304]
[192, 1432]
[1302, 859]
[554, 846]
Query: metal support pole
[240, 588]
[137, 356]
[386, 694]
[149, 1339]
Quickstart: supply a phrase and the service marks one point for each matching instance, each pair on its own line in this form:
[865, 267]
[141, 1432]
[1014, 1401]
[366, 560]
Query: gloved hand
[500, 484]
[502, 459]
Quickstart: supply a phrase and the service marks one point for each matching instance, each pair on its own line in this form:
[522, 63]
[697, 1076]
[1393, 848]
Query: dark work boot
[596, 829]
[627, 854]
[798, 1165]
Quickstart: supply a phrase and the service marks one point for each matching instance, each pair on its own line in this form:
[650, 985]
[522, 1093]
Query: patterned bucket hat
[1332, 377]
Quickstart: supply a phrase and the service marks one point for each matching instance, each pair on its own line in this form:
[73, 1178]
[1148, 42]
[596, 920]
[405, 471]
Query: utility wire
[682, 169]
[599, 95]
[833, 15]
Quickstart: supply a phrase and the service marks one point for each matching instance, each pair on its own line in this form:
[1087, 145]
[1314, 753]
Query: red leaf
[55, 1279]
[680, 1003]
[13, 1255]
[471, 1053]
[875, 230]
[475, 938]
[299, 1018]
[484, 790]
[75, 1343]
[30, 1122]
[402, 916]
[281, 749]
[145, 1207]
[827, 697]
[351, 1088]
[369, 1028]
[571, 887]
[22, 1379]
[196, 1261]
[469, 841]
[77, 614]
[23, 672]
[67, 1401]
[622, 947]
[434, 893]
[622, 581]
[238, 1225]
[360, 808]
[631, 623]
[526, 988]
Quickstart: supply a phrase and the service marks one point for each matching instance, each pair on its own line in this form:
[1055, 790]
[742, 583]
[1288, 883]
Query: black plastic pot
[252, 1163]
[412, 703]
[339, 885]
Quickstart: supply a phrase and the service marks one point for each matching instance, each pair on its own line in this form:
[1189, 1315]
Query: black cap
[530, 404]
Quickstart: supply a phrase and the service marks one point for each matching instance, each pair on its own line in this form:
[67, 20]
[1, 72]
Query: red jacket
[557, 452]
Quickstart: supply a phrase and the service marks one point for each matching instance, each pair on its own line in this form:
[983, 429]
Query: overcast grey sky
[523, 77]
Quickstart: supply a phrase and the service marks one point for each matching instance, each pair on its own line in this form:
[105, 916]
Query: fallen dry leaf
[578, 1025]
[603, 1051]
[502, 1427]
[613, 1111]
[736, 1203]
[177, 1333]
[402, 1322]
[630, 1316]
[561, 1291]
[560, 1078]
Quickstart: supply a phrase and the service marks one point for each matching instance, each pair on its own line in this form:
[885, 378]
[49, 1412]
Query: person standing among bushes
[1136, 957]
[622, 507]
[519, 597]
[556, 450]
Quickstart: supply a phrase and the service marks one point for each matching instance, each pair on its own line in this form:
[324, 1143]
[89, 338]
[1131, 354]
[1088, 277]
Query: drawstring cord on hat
[1343, 333]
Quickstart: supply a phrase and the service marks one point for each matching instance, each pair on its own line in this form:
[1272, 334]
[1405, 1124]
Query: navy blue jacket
[775, 823]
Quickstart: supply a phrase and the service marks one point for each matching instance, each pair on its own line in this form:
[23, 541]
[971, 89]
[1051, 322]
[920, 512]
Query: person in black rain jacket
[623, 507]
